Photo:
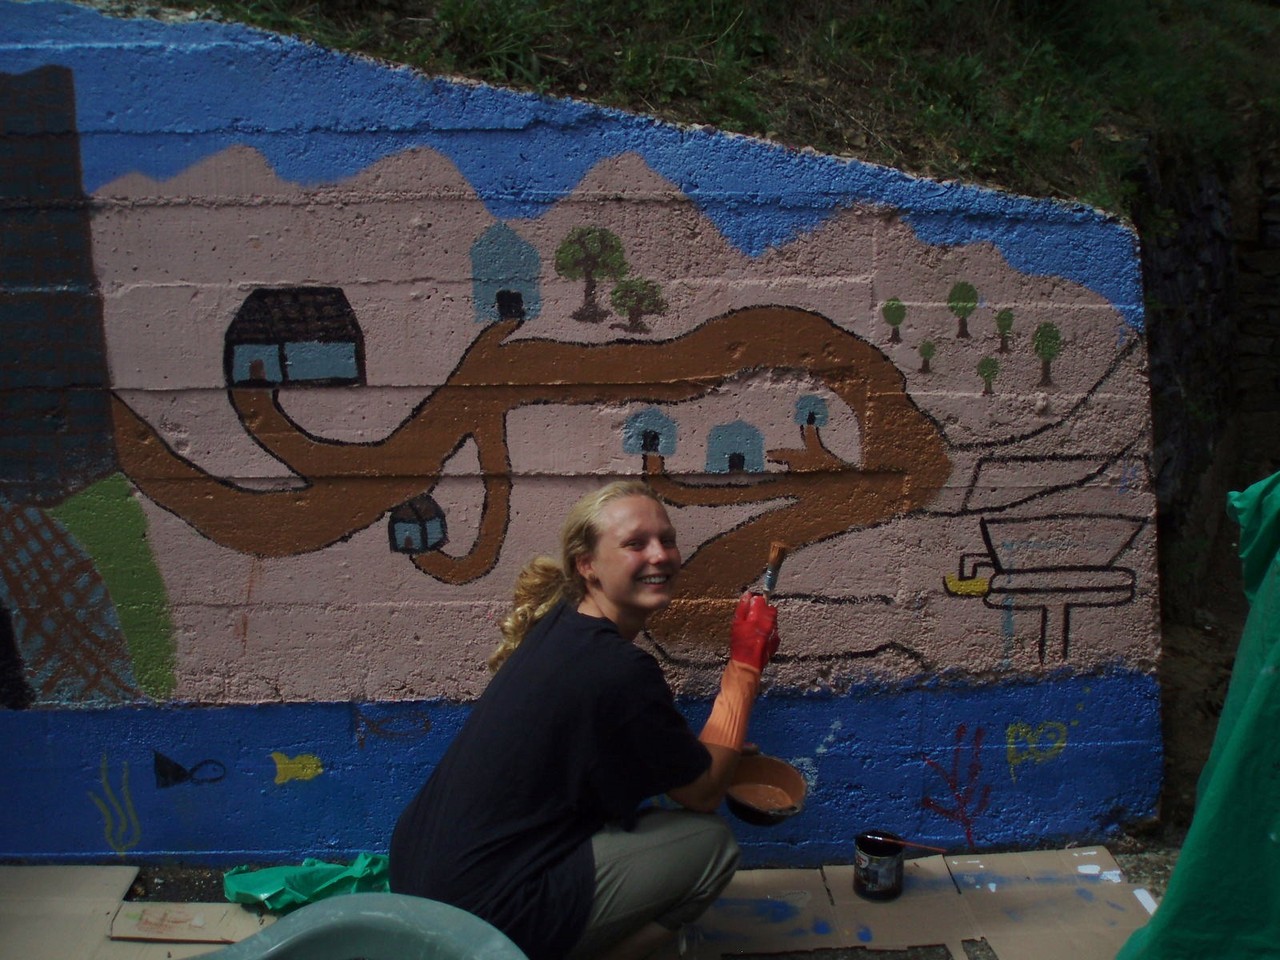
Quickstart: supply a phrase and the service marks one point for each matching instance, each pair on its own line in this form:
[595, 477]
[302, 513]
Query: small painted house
[294, 335]
[417, 526]
[505, 276]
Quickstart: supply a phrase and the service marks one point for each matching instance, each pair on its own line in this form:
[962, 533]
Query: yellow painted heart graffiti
[1024, 742]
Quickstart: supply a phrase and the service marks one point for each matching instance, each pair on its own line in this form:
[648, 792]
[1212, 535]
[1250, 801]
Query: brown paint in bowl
[762, 796]
[765, 790]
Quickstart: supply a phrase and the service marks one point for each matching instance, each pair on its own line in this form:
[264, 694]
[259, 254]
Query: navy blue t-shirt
[575, 730]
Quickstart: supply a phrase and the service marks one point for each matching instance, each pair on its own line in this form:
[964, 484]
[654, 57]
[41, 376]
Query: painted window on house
[256, 363]
[312, 360]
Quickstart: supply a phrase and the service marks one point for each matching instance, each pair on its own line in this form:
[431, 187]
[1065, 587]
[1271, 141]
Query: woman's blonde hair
[544, 581]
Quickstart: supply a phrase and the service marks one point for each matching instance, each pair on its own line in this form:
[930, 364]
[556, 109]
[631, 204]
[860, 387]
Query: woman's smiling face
[629, 573]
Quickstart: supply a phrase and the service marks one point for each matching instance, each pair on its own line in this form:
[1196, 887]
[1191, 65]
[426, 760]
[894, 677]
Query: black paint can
[877, 865]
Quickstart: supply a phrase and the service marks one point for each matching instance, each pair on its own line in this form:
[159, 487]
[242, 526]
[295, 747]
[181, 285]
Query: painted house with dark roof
[294, 335]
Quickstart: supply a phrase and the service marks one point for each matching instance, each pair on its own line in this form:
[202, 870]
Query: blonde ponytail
[539, 587]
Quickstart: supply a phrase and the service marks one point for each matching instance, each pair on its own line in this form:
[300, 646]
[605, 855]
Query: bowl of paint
[765, 791]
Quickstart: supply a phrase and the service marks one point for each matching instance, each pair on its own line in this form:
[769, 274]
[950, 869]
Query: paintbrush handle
[770, 581]
[905, 843]
[777, 553]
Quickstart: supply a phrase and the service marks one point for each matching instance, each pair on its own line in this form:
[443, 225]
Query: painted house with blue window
[294, 335]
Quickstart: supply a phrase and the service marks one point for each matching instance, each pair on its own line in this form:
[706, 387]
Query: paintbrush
[904, 843]
[777, 553]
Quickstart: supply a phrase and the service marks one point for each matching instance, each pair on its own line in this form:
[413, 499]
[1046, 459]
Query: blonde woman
[531, 820]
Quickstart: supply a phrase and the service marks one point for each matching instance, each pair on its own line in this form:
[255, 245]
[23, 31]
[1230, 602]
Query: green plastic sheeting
[281, 889]
[1224, 896]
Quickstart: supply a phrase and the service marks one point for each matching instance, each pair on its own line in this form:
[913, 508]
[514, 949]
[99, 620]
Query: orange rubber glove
[754, 635]
[753, 639]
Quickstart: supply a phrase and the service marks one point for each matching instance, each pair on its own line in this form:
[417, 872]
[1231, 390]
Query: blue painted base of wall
[1024, 764]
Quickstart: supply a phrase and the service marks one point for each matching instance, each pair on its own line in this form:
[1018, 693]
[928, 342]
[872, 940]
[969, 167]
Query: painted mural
[293, 404]
[995, 501]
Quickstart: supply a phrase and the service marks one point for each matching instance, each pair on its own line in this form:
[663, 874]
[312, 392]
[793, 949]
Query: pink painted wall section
[343, 344]
[1032, 548]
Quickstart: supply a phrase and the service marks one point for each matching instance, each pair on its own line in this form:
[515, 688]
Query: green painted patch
[111, 527]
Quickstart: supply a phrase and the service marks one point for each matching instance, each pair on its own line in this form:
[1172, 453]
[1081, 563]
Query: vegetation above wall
[1060, 98]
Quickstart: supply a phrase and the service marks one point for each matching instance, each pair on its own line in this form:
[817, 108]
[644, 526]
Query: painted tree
[988, 367]
[590, 254]
[1004, 327]
[963, 300]
[1047, 343]
[635, 299]
[927, 351]
[969, 797]
[894, 312]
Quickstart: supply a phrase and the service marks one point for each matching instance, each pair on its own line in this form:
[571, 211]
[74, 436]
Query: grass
[1063, 98]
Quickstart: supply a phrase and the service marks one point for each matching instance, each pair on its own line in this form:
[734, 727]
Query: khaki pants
[667, 870]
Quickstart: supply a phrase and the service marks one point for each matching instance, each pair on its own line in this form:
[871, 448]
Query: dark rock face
[1211, 265]
[1211, 268]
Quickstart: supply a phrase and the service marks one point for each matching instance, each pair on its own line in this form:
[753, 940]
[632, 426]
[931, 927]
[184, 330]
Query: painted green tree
[894, 312]
[591, 254]
[927, 351]
[988, 368]
[1004, 327]
[963, 300]
[636, 298]
[1047, 344]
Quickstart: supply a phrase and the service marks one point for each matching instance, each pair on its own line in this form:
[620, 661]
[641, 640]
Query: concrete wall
[305, 355]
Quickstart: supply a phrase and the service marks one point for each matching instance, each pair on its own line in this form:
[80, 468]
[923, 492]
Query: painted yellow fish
[305, 766]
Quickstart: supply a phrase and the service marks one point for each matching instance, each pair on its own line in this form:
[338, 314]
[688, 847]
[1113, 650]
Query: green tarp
[285, 888]
[1223, 899]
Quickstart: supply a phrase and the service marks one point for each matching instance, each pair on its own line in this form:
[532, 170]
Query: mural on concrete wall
[297, 406]
[394, 425]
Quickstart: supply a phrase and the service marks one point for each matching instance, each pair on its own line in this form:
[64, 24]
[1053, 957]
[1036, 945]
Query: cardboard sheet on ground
[1044, 905]
[54, 913]
[186, 922]
[66, 912]
[928, 912]
[766, 911]
[1050, 904]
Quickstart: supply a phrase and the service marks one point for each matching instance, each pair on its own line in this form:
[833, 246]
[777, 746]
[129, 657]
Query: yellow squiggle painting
[120, 824]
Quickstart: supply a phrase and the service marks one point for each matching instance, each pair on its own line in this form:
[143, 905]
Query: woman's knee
[710, 854]
[722, 853]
